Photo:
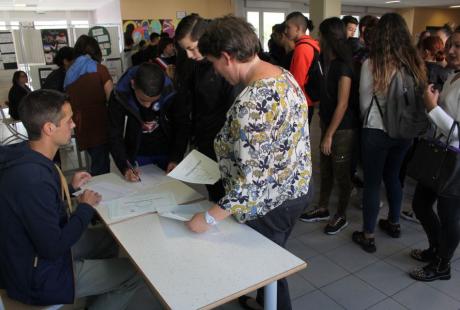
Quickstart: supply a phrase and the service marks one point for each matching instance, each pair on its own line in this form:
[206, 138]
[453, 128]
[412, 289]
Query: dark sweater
[35, 233]
[15, 96]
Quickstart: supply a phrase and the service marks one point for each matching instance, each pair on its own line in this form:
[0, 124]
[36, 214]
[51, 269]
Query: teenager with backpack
[339, 120]
[385, 141]
[306, 53]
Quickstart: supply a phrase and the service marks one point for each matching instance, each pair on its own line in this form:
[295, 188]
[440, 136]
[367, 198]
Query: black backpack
[405, 116]
[315, 75]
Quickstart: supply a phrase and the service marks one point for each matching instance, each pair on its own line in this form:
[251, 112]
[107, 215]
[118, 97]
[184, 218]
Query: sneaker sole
[338, 230]
[318, 219]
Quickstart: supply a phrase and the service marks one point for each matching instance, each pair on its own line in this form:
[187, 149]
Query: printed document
[196, 168]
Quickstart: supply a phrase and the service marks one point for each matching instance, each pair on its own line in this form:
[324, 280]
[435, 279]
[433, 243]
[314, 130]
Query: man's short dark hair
[39, 107]
[149, 79]
[65, 52]
[164, 42]
[348, 19]
[300, 20]
[154, 36]
[232, 35]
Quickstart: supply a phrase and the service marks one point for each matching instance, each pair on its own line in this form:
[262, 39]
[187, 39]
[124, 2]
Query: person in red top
[296, 28]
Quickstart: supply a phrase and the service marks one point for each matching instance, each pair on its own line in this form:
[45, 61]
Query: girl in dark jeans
[382, 156]
[443, 228]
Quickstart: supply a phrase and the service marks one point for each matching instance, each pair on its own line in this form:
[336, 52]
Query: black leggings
[443, 229]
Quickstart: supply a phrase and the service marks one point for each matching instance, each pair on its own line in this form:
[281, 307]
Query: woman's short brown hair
[232, 35]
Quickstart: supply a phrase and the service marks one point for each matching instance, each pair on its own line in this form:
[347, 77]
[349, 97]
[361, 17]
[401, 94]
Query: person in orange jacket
[296, 27]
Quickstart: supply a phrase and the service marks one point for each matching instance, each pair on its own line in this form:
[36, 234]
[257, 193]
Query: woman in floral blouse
[263, 149]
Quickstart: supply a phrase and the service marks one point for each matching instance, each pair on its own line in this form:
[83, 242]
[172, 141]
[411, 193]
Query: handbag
[436, 165]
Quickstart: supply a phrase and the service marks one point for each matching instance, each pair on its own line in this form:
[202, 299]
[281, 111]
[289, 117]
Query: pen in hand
[133, 169]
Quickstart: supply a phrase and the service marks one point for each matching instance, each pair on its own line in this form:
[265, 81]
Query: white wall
[31, 16]
[109, 13]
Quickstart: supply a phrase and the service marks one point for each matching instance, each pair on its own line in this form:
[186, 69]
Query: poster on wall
[102, 36]
[115, 68]
[43, 74]
[7, 52]
[53, 40]
[141, 29]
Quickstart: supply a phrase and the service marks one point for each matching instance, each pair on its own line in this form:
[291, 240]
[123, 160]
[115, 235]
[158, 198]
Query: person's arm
[245, 194]
[300, 64]
[440, 118]
[116, 118]
[41, 215]
[343, 95]
[108, 87]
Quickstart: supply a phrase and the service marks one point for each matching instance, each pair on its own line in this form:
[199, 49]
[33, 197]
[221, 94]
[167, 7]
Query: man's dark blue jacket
[36, 234]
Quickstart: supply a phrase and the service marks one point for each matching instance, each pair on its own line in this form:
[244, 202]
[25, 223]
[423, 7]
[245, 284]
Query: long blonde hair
[391, 49]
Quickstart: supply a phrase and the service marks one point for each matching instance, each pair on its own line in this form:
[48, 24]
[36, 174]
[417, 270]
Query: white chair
[11, 125]
[7, 303]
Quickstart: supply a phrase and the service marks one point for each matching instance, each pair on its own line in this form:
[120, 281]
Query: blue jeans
[382, 157]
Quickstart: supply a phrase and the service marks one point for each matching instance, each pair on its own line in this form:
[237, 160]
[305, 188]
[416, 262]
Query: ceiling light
[454, 6]
[393, 1]
[20, 5]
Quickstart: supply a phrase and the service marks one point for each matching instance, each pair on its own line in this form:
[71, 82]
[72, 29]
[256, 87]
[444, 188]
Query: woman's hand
[430, 97]
[198, 223]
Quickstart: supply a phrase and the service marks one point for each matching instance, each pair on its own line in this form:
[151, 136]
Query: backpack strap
[374, 99]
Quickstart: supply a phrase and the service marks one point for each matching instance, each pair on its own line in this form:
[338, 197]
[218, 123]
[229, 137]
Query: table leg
[270, 296]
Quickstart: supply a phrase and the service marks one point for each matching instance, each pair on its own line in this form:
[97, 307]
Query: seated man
[155, 130]
[38, 228]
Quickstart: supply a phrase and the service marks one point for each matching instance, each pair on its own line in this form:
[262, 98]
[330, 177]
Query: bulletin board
[114, 51]
[7, 51]
[141, 29]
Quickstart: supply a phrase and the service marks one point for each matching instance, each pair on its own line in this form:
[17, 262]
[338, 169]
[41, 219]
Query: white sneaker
[409, 216]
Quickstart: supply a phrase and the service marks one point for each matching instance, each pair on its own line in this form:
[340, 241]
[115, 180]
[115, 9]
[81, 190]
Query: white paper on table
[196, 168]
[181, 212]
[108, 191]
[139, 204]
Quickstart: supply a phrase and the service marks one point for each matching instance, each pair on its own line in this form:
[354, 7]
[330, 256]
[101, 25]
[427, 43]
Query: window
[80, 23]
[50, 24]
[13, 25]
[2, 25]
[253, 19]
[269, 20]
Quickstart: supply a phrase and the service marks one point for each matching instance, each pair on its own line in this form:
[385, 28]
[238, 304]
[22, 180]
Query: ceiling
[68, 5]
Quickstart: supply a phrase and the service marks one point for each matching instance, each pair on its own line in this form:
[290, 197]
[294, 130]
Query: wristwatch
[210, 220]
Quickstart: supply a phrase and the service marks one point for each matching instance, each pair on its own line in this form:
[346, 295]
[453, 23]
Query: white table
[202, 271]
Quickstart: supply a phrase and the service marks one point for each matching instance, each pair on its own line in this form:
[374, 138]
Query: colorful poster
[53, 40]
[102, 36]
[141, 29]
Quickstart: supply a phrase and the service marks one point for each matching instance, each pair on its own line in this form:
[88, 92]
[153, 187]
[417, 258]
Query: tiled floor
[340, 275]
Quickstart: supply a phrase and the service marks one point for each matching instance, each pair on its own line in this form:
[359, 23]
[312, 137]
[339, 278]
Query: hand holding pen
[132, 174]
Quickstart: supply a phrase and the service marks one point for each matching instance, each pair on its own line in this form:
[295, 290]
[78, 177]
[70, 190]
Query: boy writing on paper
[47, 254]
[146, 124]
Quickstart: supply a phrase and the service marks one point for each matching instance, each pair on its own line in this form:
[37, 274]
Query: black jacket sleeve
[117, 114]
[180, 125]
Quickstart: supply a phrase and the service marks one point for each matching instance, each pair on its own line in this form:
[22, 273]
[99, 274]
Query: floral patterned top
[263, 149]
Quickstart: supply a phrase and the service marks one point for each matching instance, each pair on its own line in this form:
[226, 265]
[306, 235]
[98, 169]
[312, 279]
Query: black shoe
[339, 223]
[249, 303]
[316, 215]
[392, 230]
[425, 256]
[367, 244]
[431, 272]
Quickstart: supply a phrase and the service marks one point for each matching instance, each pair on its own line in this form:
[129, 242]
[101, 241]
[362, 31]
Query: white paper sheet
[108, 191]
[196, 168]
[6, 37]
[181, 212]
[139, 204]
